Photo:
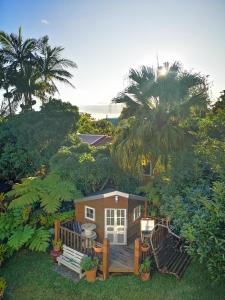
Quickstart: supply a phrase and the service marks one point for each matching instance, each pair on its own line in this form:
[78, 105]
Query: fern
[40, 240]
[49, 192]
[20, 237]
[25, 193]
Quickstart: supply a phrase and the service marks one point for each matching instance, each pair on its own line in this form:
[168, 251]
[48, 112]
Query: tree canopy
[29, 70]
[157, 104]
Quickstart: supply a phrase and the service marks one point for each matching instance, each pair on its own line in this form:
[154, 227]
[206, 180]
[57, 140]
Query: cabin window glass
[89, 213]
[110, 217]
[137, 212]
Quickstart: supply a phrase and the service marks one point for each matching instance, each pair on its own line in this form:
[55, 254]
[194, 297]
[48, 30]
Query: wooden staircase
[168, 251]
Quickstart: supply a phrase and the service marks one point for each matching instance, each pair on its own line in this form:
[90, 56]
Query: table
[88, 229]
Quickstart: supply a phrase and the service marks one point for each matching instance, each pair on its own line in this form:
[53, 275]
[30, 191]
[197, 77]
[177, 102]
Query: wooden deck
[121, 259]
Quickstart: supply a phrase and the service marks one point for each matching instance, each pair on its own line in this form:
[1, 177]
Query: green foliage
[40, 240]
[61, 216]
[57, 245]
[2, 284]
[49, 191]
[156, 109]
[89, 263]
[91, 169]
[30, 68]
[14, 233]
[20, 237]
[145, 266]
[3, 250]
[28, 140]
[89, 125]
[152, 193]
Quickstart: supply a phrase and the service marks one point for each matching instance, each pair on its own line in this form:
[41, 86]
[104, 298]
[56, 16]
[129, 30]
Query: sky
[107, 38]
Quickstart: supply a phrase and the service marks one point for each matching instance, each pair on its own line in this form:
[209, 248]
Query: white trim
[111, 194]
[137, 210]
[85, 213]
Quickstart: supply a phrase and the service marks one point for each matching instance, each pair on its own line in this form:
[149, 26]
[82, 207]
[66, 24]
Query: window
[110, 217]
[137, 212]
[89, 213]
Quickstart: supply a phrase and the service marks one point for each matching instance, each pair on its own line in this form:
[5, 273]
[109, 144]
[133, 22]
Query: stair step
[181, 272]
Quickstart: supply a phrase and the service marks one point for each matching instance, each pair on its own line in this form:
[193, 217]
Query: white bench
[71, 259]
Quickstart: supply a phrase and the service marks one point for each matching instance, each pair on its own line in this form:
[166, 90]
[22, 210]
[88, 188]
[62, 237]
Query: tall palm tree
[53, 66]
[34, 66]
[156, 103]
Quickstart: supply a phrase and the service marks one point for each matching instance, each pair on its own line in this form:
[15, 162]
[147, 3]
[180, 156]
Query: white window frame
[85, 213]
[137, 212]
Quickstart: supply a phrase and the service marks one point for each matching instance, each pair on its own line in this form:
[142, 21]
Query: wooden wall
[99, 205]
[133, 231]
[109, 202]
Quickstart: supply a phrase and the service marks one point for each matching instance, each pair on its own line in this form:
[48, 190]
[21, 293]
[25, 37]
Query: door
[116, 226]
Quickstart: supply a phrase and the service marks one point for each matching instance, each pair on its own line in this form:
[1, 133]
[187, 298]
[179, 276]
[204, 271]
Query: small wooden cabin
[116, 215]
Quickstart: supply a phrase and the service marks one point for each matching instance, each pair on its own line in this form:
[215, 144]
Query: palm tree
[53, 66]
[34, 67]
[157, 102]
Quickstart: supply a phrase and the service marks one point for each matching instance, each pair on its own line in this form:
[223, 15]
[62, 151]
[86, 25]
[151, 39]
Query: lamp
[116, 199]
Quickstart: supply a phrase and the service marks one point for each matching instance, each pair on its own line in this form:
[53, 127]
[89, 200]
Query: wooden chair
[71, 259]
[147, 225]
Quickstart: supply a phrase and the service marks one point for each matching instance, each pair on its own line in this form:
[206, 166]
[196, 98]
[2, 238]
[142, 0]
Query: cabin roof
[106, 194]
[95, 139]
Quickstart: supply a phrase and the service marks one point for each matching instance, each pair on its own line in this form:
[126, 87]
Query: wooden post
[75, 213]
[57, 230]
[136, 256]
[105, 259]
[146, 209]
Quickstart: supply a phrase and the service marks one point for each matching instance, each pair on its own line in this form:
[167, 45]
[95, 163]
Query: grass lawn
[29, 276]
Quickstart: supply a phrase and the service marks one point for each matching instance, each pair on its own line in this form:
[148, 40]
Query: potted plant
[89, 265]
[2, 287]
[145, 269]
[57, 245]
[56, 251]
[145, 246]
[2, 253]
[97, 248]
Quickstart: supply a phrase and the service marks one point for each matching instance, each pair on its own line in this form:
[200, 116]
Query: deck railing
[72, 239]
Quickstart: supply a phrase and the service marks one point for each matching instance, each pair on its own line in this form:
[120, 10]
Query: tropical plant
[156, 106]
[15, 234]
[50, 192]
[30, 68]
[57, 244]
[192, 192]
[88, 263]
[53, 66]
[145, 266]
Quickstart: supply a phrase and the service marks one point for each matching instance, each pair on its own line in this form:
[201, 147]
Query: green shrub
[146, 266]
[2, 285]
[89, 263]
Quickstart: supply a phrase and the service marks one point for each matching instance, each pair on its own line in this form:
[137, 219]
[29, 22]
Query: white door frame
[115, 227]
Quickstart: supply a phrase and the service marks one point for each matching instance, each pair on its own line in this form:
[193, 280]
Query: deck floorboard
[121, 258]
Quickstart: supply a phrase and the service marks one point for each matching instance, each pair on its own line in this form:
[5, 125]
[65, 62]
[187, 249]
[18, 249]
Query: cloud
[44, 21]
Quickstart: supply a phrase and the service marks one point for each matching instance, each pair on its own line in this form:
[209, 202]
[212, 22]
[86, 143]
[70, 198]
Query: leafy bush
[15, 234]
[2, 285]
[145, 266]
[89, 263]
